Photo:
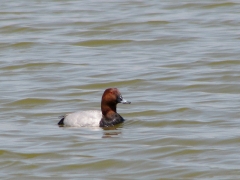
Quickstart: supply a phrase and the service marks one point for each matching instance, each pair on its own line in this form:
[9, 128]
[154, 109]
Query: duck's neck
[108, 109]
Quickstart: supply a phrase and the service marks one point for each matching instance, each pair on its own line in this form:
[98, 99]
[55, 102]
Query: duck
[107, 117]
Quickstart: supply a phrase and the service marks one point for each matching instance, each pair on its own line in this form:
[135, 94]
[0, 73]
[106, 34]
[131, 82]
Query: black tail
[61, 123]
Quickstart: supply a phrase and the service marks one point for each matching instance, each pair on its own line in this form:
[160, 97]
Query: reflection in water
[111, 132]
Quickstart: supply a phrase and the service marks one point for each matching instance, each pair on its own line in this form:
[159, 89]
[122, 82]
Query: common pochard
[107, 117]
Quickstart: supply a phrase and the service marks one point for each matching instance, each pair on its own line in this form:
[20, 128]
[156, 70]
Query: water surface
[177, 62]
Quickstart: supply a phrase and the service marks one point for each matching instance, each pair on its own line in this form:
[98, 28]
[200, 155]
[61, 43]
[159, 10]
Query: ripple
[112, 84]
[225, 63]
[102, 42]
[219, 5]
[18, 29]
[31, 102]
[23, 44]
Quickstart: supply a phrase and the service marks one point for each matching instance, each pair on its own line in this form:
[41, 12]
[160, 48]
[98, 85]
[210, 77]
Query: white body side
[89, 118]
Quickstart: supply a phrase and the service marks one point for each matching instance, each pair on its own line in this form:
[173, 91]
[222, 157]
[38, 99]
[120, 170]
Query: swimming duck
[107, 117]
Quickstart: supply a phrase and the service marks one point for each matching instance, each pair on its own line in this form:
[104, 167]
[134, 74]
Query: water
[177, 62]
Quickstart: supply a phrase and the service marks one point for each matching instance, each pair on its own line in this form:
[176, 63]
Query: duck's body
[88, 118]
[108, 115]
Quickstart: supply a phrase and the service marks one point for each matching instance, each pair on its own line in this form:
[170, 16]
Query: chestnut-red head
[110, 98]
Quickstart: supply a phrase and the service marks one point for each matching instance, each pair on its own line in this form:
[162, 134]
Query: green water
[177, 62]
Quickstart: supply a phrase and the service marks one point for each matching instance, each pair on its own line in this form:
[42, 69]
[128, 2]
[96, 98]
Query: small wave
[217, 5]
[111, 84]
[225, 62]
[30, 101]
[164, 123]
[37, 65]
[101, 42]
[5, 153]
[134, 24]
[23, 44]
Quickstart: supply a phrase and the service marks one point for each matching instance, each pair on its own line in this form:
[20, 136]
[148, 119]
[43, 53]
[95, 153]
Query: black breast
[111, 121]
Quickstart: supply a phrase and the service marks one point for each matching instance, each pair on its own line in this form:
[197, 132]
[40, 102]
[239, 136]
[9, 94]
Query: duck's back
[90, 118]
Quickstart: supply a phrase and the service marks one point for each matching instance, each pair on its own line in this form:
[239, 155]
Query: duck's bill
[123, 101]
